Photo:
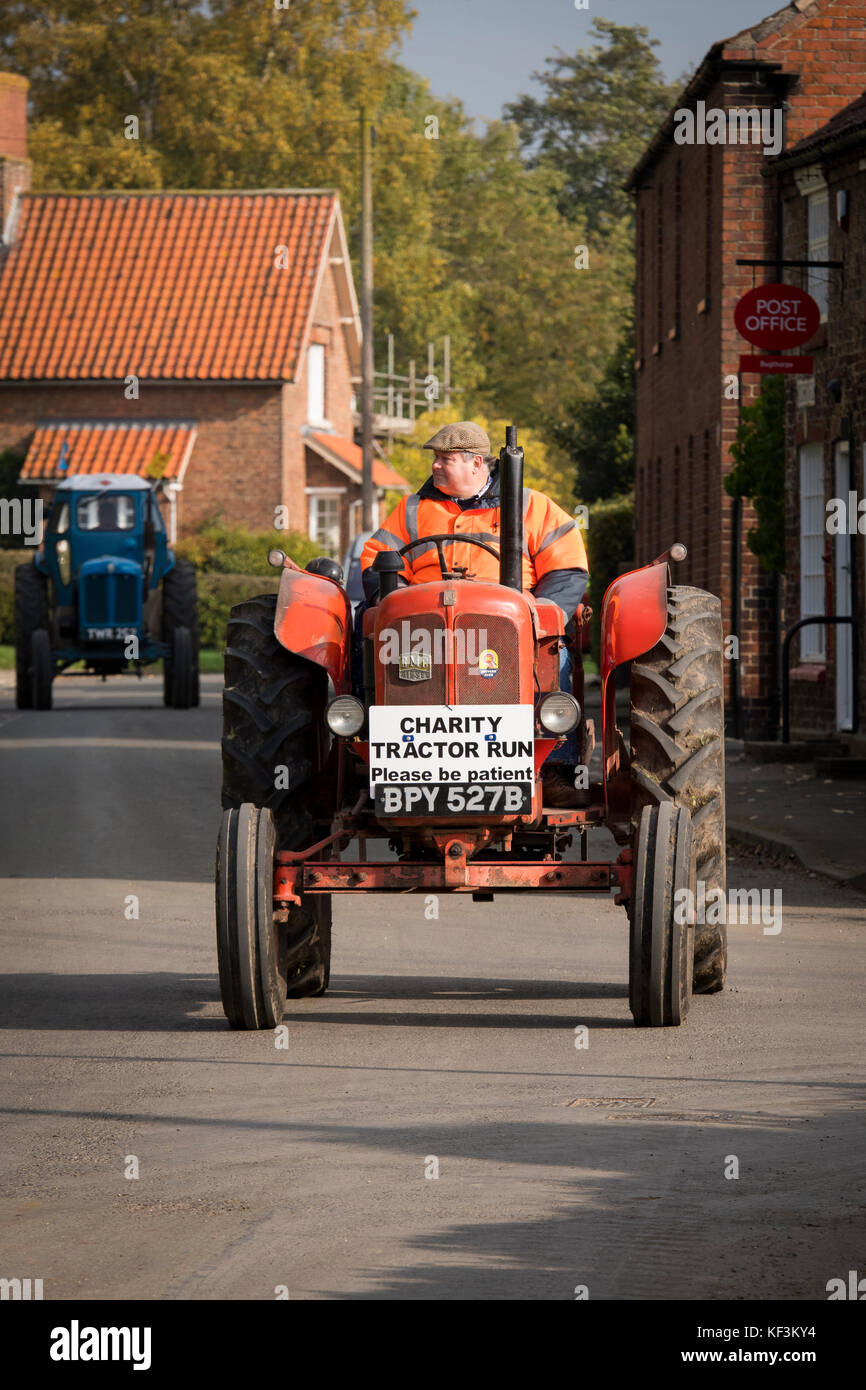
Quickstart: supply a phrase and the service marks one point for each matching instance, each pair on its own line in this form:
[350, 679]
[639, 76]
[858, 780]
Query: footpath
[788, 809]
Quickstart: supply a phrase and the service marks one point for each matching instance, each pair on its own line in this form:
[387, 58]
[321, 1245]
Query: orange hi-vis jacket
[551, 538]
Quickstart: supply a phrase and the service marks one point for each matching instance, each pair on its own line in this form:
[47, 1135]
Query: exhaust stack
[511, 511]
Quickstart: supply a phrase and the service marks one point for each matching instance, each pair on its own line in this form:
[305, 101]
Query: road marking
[149, 743]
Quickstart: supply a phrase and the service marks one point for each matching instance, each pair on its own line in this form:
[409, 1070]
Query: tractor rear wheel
[272, 704]
[251, 945]
[180, 610]
[179, 671]
[661, 940]
[31, 615]
[678, 748]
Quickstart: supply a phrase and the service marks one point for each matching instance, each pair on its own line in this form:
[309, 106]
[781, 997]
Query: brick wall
[234, 468]
[840, 356]
[699, 208]
[327, 330]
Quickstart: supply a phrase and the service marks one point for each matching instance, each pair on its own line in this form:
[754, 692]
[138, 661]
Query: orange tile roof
[345, 449]
[180, 286]
[148, 449]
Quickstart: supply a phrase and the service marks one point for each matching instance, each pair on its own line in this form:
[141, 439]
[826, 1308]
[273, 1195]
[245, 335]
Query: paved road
[450, 1040]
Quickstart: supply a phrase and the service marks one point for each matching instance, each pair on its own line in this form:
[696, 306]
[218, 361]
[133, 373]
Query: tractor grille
[125, 599]
[96, 600]
[111, 600]
[423, 692]
[501, 637]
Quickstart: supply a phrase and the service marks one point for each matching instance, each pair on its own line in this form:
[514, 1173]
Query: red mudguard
[314, 620]
[633, 618]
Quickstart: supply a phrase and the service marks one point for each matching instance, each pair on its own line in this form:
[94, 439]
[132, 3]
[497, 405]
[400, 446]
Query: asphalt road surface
[443, 1045]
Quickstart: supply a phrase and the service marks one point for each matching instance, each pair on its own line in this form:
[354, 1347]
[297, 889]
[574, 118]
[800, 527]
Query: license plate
[454, 799]
[109, 634]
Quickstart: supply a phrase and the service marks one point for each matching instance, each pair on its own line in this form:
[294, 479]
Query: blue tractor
[105, 589]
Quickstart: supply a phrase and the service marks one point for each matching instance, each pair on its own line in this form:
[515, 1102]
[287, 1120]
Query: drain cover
[626, 1102]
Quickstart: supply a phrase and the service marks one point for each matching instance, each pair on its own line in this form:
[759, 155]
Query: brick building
[822, 183]
[209, 339]
[700, 205]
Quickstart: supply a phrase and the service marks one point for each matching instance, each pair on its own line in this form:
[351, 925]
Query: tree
[598, 112]
[540, 325]
[759, 471]
[599, 436]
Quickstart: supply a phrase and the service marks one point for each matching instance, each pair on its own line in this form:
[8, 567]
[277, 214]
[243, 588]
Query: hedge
[217, 593]
[217, 549]
[8, 560]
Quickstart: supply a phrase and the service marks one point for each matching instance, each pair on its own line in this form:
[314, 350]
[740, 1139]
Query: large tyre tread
[180, 609]
[677, 747]
[271, 703]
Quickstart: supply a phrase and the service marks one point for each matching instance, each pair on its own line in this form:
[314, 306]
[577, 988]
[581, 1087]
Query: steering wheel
[449, 536]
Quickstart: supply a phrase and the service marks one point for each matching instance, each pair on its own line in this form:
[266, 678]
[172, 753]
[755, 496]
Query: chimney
[14, 164]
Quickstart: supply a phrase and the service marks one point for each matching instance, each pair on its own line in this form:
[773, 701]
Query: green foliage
[539, 326]
[217, 549]
[610, 550]
[600, 435]
[759, 472]
[598, 112]
[9, 560]
[217, 593]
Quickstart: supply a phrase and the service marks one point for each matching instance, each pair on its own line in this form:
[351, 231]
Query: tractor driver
[462, 495]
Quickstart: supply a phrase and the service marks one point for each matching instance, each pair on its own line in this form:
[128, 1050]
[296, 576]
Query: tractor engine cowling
[441, 644]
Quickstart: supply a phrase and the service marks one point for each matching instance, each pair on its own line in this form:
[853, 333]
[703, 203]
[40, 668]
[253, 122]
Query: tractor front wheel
[661, 943]
[273, 703]
[251, 945]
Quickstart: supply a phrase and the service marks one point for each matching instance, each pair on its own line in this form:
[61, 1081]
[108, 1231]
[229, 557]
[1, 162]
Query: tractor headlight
[345, 716]
[559, 712]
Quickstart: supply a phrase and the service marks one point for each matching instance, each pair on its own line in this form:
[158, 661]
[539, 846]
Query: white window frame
[316, 384]
[813, 520]
[317, 496]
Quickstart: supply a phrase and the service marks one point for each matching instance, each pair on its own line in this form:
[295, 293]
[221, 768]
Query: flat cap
[464, 435]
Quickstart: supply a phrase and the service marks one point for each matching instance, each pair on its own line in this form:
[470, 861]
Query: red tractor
[442, 758]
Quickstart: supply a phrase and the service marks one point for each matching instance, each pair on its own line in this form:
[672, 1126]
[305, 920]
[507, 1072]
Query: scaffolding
[398, 399]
